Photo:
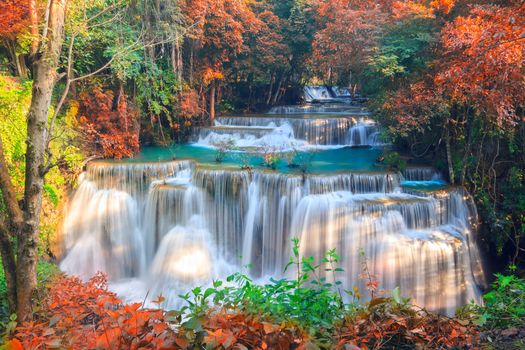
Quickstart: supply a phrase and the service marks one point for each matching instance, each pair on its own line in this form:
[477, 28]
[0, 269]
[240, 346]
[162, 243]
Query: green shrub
[504, 305]
[394, 161]
[309, 302]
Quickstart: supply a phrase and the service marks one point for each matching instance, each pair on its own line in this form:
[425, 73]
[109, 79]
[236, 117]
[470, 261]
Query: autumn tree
[484, 65]
[350, 31]
[14, 21]
[264, 63]
[468, 105]
[217, 37]
[22, 220]
[107, 123]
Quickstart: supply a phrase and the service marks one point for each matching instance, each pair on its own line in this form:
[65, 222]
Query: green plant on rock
[223, 147]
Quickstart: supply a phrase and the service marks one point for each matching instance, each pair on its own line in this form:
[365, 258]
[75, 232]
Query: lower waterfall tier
[172, 225]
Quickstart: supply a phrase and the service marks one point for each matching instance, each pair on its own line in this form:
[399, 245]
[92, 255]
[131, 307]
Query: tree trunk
[173, 57]
[9, 265]
[270, 89]
[17, 61]
[22, 67]
[281, 88]
[9, 229]
[449, 156]
[464, 164]
[176, 58]
[191, 62]
[44, 80]
[33, 15]
[212, 101]
[278, 90]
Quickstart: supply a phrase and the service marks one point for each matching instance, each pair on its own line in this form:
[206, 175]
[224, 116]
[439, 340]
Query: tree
[484, 61]
[350, 31]
[19, 224]
[14, 20]
[217, 37]
[464, 111]
[22, 220]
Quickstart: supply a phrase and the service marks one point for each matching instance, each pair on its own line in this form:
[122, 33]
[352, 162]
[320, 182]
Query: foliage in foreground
[307, 312]
[504, 305]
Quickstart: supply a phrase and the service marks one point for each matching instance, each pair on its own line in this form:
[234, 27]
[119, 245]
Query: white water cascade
[165, 227]
[317, 93]
[294, 127]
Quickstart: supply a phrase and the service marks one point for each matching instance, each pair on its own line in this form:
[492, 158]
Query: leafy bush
[393, 323]
[78, 315]
[394, 161]
[309, 302]
[504, 304]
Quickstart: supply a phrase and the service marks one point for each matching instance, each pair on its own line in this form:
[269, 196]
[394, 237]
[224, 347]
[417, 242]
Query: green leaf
[194, 323]
[396, 295]
[208, 292]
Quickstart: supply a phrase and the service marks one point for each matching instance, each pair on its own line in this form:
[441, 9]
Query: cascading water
[164, 227]
[364, 133]
[294, 127]
[317, 93]
[421, 174]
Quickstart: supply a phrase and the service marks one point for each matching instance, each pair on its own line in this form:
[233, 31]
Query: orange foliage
[268, 44]
[386, 325]
[444, 6]
[219, 27]
[347, 39]
[237, 331]
[110, 130]
[485, 60]
[412, 107]
[189, 104]
[78, 315]
[15, 16]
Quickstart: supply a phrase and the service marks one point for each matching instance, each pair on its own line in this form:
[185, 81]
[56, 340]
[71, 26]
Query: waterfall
[421, 174]
[199, 216]
[309, 109]
[341, 92]
[364, 133]
[317, 93]
[167, 226]
[322, 131]
[288, 128]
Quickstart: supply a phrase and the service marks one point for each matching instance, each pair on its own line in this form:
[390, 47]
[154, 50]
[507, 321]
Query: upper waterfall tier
[319, 131]
[291, 128]
[290, 131]
[325, 109]
[327, 94]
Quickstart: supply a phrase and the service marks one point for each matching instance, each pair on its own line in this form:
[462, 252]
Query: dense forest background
[445, 77]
